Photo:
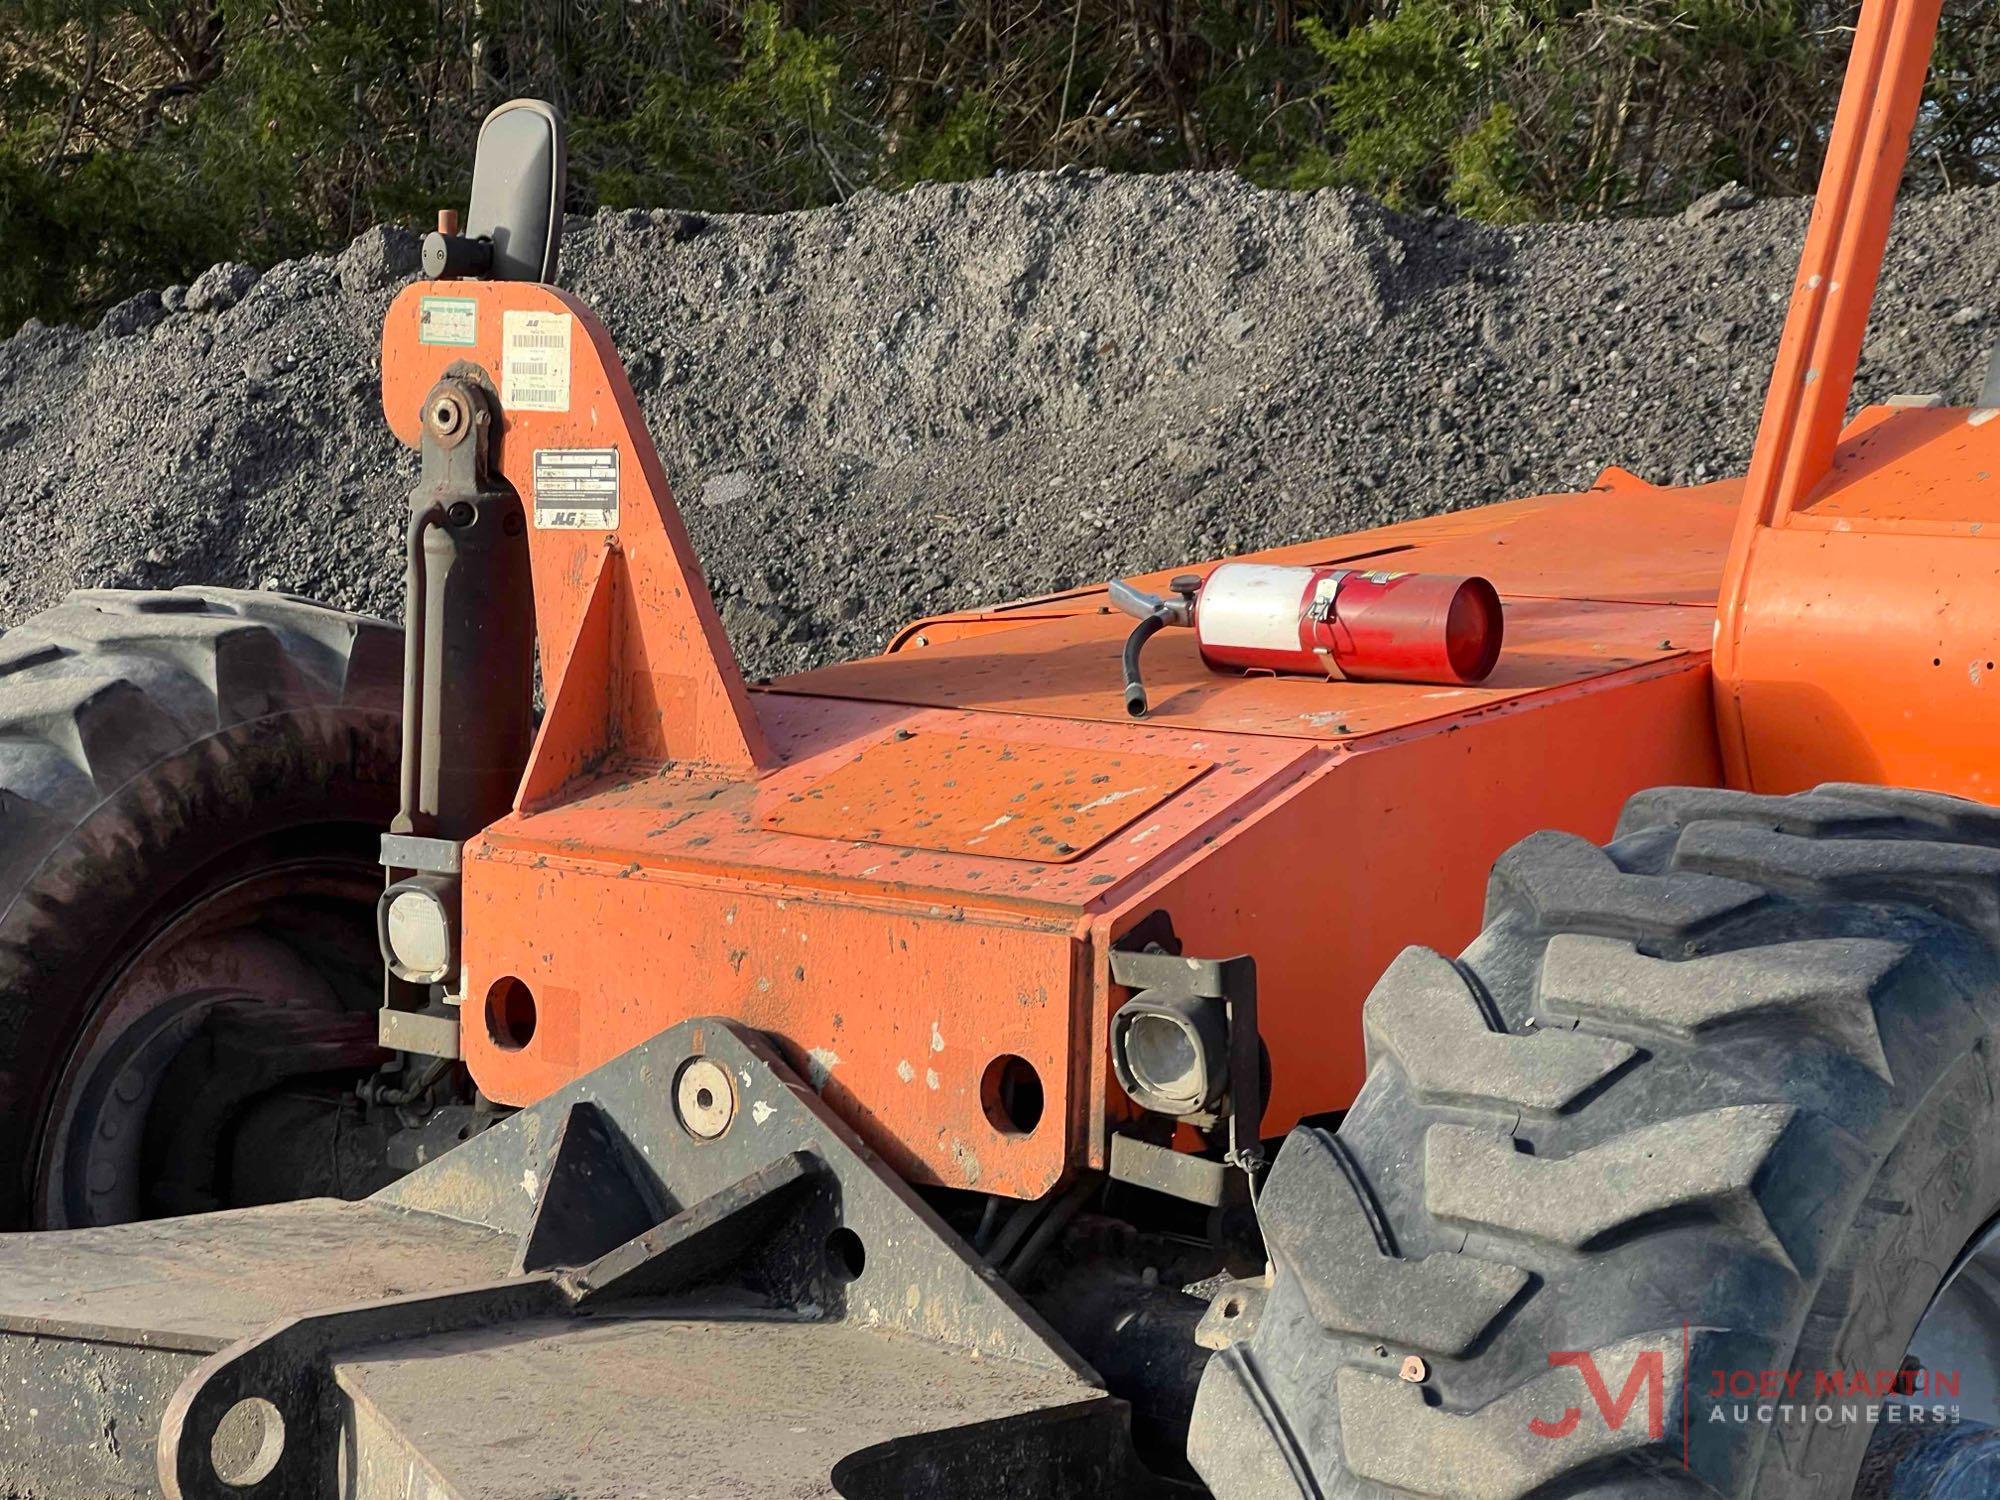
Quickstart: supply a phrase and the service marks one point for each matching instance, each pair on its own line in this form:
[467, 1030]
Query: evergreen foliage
[142, 140]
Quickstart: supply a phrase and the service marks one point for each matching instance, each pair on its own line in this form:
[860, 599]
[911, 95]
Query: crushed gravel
[972, 392]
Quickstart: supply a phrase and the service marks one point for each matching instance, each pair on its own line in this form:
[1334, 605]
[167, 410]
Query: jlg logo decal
[1649, 1374]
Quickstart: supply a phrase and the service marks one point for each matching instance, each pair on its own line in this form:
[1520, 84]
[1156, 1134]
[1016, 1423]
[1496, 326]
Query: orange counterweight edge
[902, 1014]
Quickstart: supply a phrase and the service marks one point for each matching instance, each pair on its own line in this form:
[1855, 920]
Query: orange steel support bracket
[635, 665]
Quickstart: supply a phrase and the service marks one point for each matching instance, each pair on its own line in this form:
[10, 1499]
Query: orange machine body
[911, 869]
[1860, 613]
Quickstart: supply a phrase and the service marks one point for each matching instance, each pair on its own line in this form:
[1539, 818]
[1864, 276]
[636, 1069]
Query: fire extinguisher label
[1253, 606]
[576, 489]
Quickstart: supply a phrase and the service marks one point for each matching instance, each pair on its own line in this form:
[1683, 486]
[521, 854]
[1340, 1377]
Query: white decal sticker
[534, 361]
[576, 489]
[448, 320]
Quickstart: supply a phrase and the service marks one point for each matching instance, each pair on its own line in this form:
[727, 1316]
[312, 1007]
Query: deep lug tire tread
[1722, 1089]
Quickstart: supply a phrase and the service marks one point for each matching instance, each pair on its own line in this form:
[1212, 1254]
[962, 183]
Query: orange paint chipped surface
[1864, 647]
[1005, 799]
[909, 870]
[1934, 469]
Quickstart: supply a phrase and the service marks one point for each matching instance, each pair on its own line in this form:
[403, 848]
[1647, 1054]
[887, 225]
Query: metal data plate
[1003, 798]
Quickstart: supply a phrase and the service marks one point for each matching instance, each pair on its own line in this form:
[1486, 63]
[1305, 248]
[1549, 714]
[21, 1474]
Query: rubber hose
[1135, 690]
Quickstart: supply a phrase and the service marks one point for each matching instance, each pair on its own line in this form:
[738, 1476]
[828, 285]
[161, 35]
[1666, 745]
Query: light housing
[416, 925]
[1171, 1052]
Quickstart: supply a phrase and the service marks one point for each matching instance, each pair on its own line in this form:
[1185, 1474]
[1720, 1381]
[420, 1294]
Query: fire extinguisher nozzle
[1135, 699]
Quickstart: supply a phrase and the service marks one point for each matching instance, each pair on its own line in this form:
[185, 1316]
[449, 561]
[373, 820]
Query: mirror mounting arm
[450, 257]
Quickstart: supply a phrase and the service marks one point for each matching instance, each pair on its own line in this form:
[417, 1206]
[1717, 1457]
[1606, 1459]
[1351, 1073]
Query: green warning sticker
[448, 320]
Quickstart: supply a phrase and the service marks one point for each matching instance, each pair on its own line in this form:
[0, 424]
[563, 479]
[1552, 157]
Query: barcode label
[534, 361]
[576, 489]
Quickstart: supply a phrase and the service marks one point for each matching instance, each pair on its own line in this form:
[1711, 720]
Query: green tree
[143, 140]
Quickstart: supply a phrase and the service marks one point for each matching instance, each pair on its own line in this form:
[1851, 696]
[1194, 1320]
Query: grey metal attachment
[468, 702]
[607, 1284]
[430, 1032]
[1178, 1174]
[417, 927]
[408, 851]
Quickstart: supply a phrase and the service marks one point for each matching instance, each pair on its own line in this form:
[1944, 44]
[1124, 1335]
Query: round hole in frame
[248, 1442]
[846, 1256]
[1010, 1091]
[510, 1014]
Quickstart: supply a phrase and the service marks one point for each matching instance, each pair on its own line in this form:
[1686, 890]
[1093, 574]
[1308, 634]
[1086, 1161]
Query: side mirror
[513, 228]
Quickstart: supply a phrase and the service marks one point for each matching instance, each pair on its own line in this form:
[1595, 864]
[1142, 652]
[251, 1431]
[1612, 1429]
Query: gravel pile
[972, 392]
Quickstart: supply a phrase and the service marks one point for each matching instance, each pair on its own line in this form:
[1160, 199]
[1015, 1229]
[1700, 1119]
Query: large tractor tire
[1696, 1111]
[192, 787]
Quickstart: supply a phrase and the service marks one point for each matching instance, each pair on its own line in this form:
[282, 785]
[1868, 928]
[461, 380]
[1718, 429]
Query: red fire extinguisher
[1366, 625]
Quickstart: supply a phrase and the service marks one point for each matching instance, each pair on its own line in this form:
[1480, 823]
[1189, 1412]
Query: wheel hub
[227, 969]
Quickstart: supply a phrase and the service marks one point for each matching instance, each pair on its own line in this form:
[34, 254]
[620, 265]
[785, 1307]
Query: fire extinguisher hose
[1135, 688]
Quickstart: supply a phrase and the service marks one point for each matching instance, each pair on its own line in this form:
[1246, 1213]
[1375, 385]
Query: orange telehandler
[861, 1083]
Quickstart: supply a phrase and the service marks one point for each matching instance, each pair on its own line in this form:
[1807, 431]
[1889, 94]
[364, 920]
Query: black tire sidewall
[316, 782]
[1936, 1190]
[1853, 1015]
